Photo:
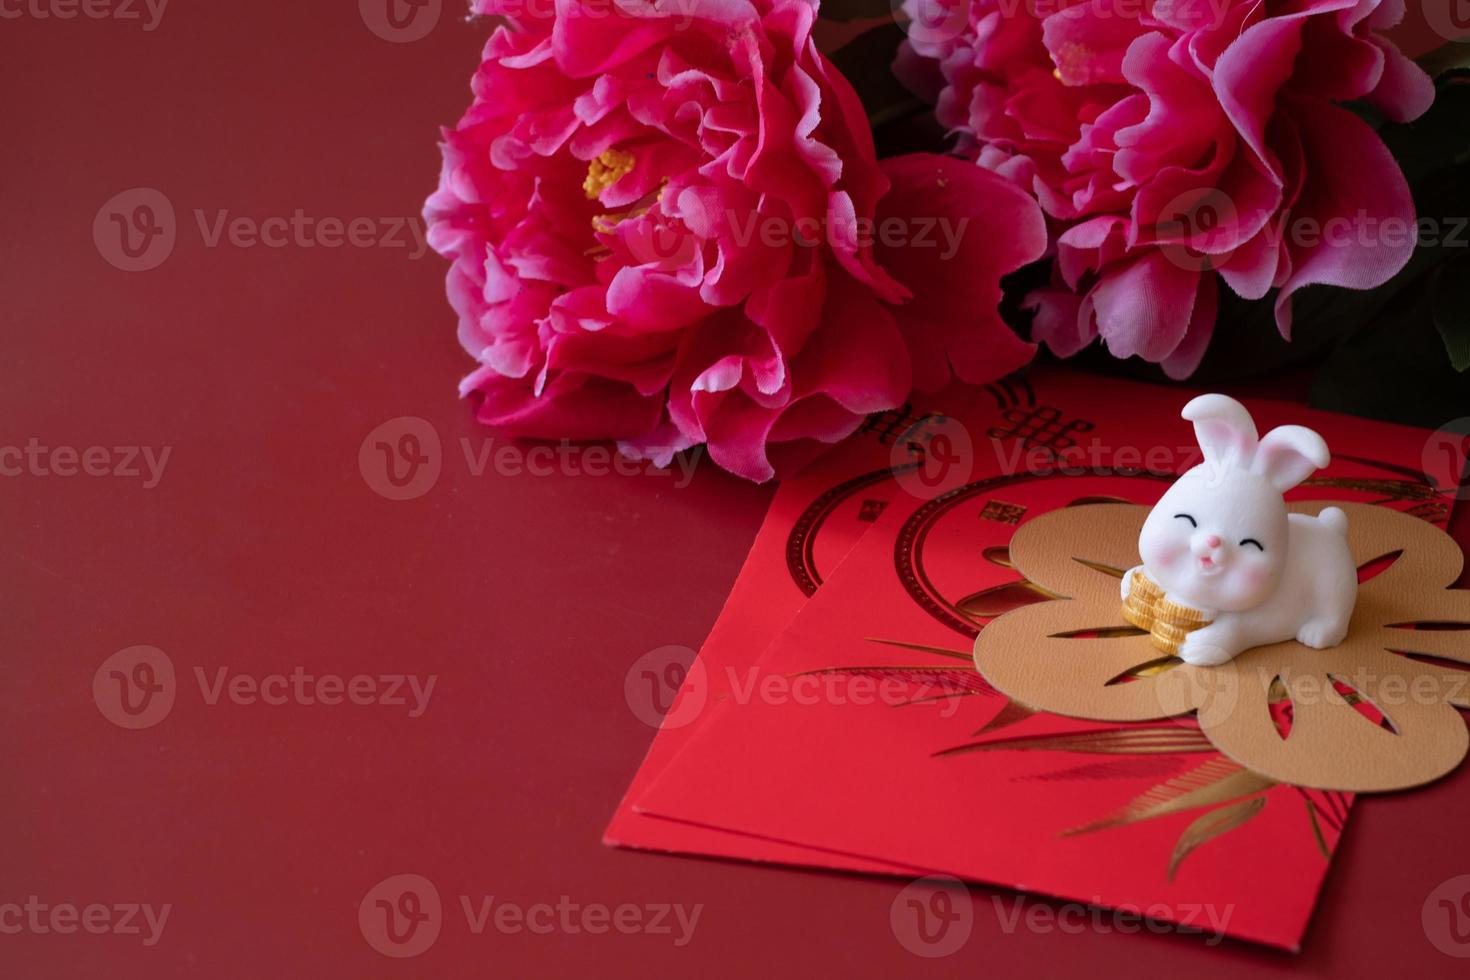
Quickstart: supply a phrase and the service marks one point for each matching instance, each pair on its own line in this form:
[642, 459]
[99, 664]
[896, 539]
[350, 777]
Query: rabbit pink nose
[1212, 541]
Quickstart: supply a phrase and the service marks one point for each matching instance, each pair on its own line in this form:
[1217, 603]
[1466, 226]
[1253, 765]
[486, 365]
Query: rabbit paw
[1319, 634]
[1201, 650]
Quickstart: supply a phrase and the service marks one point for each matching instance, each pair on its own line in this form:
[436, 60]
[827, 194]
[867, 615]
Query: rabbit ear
[1290, 454]
[1223, 428]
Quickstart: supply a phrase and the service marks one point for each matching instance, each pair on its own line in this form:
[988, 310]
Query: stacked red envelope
[834, 717]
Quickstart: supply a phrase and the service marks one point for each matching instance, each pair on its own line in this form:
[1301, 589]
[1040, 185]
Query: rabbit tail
[1335, 519]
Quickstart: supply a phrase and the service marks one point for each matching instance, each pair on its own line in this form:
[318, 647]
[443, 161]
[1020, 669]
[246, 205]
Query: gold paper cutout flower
[1370, 715]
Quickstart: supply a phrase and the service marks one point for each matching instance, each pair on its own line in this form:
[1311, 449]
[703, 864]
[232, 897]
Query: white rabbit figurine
[1220, 541]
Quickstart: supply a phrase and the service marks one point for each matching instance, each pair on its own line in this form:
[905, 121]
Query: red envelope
[866, 732]
[836, 501]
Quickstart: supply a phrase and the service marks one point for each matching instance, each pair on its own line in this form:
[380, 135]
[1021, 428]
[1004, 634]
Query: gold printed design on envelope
[1148, 740]
[1398, 674]
[1217, 823]
[1217, 781]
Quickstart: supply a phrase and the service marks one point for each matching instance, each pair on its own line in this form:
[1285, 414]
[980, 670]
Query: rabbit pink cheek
[1169, 554]
[1254, 576]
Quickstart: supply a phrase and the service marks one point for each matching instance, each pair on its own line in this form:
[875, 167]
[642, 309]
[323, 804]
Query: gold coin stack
[1172, 622]
[1168, 623]
[1143, 596]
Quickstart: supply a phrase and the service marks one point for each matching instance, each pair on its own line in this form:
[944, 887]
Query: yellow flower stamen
[604, 171]
[604, 224]
[1073, 64]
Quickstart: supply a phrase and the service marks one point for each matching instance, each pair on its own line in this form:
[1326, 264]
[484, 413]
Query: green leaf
[1450, 308]
[1439, 140]
[1394, 365]
[1396, 370]
[1447, 58]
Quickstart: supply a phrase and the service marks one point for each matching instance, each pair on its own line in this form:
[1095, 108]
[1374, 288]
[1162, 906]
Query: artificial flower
[1175, 143]
[668, 226]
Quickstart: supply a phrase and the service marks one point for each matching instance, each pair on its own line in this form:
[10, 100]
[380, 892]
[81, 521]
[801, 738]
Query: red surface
[262, 549]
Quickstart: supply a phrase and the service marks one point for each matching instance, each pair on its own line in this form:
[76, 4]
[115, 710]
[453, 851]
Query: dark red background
[263, 549]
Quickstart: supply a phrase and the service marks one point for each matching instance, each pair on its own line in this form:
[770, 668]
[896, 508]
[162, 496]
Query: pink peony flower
[1172, 142]
[668, 226]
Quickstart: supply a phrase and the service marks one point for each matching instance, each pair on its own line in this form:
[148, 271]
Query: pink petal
[1059, 323]
[571, 407]
[953, 324]
[1406, 91]
[1181, 363]
[1353, 180]
[1251, 269]
[1087, 42]
[1144, 309]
